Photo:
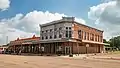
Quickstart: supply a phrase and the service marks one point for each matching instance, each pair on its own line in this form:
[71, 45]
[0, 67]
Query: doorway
[67, 50]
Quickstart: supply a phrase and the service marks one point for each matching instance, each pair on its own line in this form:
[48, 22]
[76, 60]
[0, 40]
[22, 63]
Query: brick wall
[92, 34]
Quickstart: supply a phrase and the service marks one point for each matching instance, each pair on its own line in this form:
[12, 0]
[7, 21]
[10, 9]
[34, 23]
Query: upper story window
[60, 28]
[69, 28]
[55, 33]
[50, 37]
[60, 35]
[85, 36]
[55, 36]
[55, 29]
[101, 39]
[42, 38]
[92, 37]
[46, 37]
[79, 34]
[50, 30]
[66, 28]
[95, 37]
[46, 31]
[68, 32]
[50, 34]
[42, 31]
[98, 38]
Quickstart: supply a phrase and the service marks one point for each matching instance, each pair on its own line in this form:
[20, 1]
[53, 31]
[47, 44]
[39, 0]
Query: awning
[59, 40]
[92, 42]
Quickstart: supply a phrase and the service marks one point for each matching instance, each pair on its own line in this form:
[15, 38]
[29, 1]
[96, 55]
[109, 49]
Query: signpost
[87, 45]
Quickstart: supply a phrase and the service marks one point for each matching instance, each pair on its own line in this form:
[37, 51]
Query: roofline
[88, 26]
[61, 20]
[52, 22]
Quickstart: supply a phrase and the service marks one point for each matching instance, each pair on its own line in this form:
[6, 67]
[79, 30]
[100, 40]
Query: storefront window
[42, 48]
[59, 48]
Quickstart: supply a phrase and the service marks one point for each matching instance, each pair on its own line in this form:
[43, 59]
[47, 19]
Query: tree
[105, 41]
[115, 42]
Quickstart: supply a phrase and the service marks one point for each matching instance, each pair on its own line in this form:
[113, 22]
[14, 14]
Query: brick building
[67, 36]
[26, 45]
[3, 48]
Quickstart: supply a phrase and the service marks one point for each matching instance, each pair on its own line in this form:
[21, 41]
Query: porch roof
[26, 42]
[59, 40]
[84, 41]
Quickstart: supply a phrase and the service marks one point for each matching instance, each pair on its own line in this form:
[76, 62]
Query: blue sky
[77, 8]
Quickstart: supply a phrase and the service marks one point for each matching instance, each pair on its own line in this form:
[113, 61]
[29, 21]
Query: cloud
[11, 32]
[27, 25]
[107, 17]
[4, 4]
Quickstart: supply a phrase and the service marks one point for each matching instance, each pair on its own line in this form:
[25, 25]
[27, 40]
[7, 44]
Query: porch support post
[65, 48]
[78, 47]
[21, 48]
[39, 48]
[55, 47]
[14, 49]
[29, 48]
[72, 47]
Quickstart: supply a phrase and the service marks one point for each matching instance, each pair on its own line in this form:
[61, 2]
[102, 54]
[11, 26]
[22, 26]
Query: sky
[21, 18]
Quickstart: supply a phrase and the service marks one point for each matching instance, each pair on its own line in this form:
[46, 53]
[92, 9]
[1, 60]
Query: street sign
[87, 45]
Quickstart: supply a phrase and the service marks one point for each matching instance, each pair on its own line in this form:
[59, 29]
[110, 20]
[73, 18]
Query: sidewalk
[92, 56]
[80, 56]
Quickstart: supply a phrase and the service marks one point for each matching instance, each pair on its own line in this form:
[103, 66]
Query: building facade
[3, 48]
[66, 36]
[26, 45]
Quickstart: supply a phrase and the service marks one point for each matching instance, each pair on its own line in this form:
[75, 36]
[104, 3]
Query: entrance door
[67, 50]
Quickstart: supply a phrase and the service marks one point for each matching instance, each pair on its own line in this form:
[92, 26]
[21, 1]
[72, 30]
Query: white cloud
[80, 20]
[4, 4]
[12, 33]
[27, 25]
[107, 17]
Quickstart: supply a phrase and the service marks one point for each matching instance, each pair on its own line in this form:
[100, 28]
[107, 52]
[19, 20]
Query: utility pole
[39, 39]
[6, 39]
[113, 43]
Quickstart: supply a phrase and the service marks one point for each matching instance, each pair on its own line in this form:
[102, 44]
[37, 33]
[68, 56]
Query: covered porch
[59, 47]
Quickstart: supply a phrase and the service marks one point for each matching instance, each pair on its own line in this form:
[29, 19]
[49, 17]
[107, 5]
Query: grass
[114, 52]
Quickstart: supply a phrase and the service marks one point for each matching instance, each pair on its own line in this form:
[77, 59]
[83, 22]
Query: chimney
[68, 18]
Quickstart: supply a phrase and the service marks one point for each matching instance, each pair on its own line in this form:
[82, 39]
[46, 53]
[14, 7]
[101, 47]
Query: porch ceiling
[52, 41]
[84, 41]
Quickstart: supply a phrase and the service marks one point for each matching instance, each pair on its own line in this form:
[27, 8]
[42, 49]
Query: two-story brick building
[67, 36]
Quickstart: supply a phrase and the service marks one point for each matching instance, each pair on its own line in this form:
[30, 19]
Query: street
[14, 61]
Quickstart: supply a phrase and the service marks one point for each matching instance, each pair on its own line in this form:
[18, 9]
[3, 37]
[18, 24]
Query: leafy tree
[105, 41]
[115, 42]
